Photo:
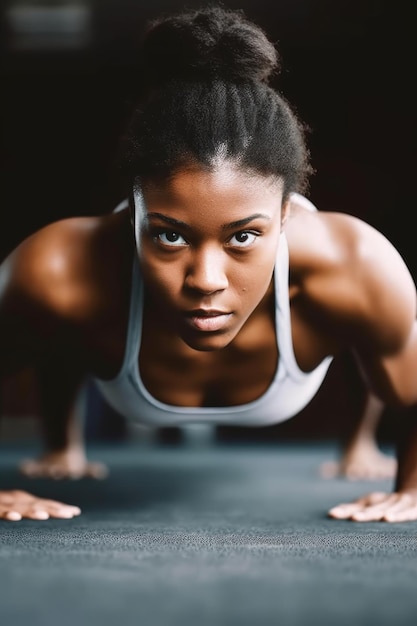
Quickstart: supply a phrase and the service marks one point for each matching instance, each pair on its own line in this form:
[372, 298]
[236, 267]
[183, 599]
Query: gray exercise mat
[222, 536]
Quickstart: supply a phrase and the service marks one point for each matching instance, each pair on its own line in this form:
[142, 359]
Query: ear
[285, 212]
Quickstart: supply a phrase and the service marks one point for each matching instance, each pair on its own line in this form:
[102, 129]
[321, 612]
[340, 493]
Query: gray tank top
[290, 391]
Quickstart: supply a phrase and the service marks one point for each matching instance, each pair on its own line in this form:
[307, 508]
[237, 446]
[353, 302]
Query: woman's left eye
[243, 239]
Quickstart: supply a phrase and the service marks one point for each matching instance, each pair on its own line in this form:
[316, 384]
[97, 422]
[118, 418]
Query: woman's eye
[170, 238]
[243, 239]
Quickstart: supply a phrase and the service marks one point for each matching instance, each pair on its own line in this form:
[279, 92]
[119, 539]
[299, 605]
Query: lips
[208, 320]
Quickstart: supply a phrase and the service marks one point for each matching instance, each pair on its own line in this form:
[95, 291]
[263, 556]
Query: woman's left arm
[386, 351]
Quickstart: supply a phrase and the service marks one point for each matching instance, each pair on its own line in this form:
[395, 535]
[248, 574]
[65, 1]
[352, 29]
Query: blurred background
[69, 81]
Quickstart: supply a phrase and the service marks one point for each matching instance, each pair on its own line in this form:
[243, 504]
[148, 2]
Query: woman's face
[208, 244]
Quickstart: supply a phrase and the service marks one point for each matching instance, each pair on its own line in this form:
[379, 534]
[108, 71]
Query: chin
[208, 342]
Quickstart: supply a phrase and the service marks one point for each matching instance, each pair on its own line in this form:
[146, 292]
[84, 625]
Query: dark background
[348, 69]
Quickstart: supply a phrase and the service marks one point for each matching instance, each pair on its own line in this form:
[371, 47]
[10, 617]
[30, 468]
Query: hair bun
[207, 44]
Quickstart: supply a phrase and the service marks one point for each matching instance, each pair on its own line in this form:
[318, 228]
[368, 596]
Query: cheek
[251, 288]
[161, 278]
[257, 275]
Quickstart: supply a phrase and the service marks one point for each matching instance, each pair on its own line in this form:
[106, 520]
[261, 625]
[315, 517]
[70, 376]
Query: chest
[230, 377]
[238, 374]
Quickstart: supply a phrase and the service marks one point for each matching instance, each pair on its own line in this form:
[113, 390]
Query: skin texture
[209, 241]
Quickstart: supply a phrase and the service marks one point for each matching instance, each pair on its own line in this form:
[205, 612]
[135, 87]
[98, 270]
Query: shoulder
[353, 275]
[59, 268]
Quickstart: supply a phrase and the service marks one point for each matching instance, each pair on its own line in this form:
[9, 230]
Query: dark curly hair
[206, 94]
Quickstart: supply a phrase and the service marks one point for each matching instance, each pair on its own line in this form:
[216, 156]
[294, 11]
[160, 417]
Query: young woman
[214, 293]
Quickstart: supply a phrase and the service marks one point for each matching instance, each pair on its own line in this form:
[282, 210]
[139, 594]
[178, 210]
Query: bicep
[387, 348]
[378, 306]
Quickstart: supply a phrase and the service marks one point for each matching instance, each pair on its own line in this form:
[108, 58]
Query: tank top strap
[134, 327]
[283, 313]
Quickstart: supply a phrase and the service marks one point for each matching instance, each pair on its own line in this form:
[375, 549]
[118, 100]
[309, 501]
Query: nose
[206, 271]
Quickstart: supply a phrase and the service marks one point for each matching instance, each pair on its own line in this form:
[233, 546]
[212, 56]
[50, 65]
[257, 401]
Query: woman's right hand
[16, 505]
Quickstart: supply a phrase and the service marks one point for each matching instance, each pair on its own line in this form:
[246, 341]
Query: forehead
[224, 187]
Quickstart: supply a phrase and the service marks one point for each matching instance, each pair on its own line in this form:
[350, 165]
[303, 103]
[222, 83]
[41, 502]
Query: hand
[15, 505]
[70, 464]
[379, 507]
[373, 465]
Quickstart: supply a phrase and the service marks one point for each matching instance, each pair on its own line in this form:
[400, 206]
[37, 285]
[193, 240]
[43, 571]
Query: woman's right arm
[35, 332]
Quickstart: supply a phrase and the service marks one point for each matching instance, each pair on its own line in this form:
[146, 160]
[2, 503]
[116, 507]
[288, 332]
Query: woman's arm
[384, 340]
[34, 332]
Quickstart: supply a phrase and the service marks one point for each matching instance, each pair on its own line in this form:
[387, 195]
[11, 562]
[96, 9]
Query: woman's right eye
[170, 238]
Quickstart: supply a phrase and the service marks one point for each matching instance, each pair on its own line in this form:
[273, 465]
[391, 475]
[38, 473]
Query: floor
[222, 535]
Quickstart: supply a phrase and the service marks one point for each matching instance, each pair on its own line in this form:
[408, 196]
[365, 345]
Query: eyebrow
[237, 224]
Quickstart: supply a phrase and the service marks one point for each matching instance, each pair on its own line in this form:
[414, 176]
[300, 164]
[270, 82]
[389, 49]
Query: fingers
[34, 468]
[379, 467]
[385, 468]
[406, 515]
[401, 507]
[39, 512]
[377, 506]
[376, 512]
[59, 510]
[347, 510]
[17, 505]
[41, 469]
[96, 470]
[12, 516]
[330, 469]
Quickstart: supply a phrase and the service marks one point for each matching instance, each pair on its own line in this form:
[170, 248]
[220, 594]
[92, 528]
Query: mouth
[207, 320]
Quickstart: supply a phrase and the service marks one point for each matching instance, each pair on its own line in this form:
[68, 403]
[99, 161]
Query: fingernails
[40, 515]
[335, 511]
[69, 513]
[65, 514]
[360, 517]
[13, 516]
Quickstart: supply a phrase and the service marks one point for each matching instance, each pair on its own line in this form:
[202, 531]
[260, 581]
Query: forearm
[364, 426]
[406, 480]
[62, 431]
[61, 407]
[62, 411]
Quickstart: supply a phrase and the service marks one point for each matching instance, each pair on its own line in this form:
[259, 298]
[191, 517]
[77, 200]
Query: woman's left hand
[66, 464]
[379, 507]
